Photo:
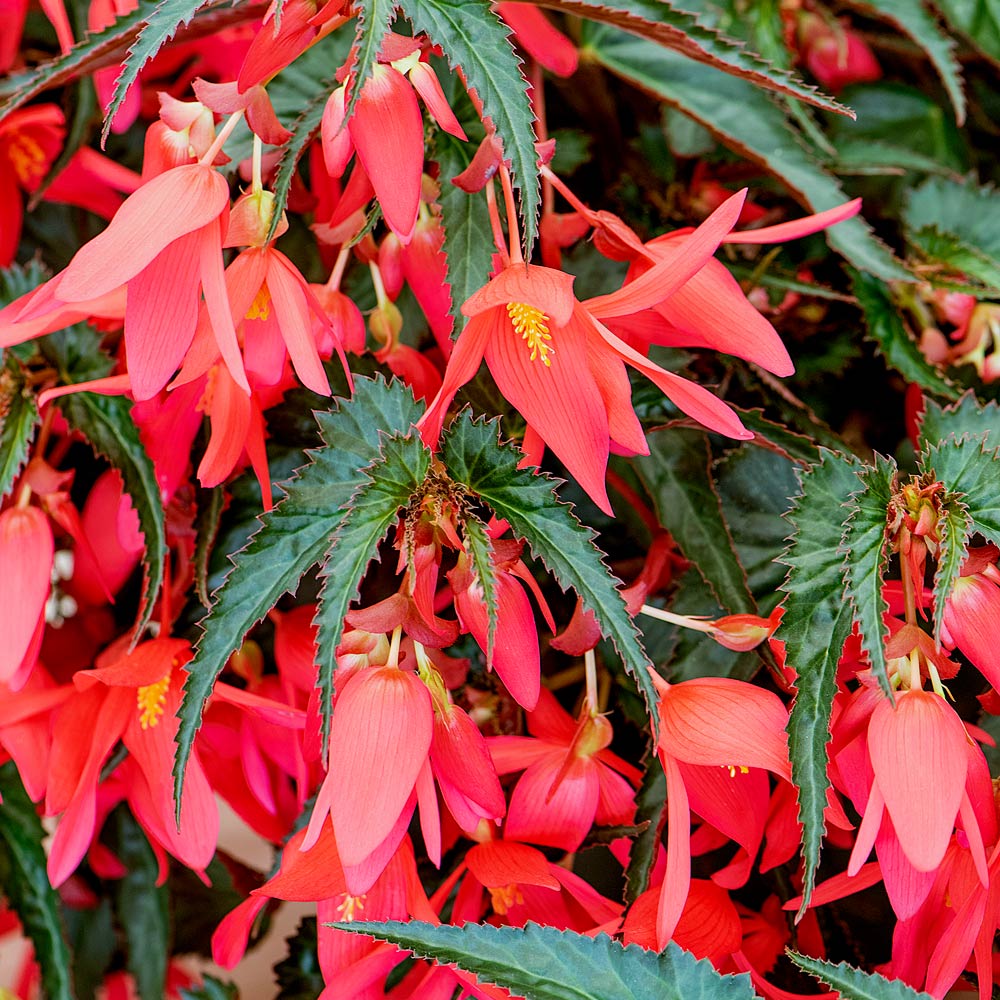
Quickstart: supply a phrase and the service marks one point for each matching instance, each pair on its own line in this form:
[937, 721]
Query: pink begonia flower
[571, 779]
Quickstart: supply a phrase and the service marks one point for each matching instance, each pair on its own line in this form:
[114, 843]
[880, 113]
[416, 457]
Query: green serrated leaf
[967, 416]
[650, 808]
[970, 467]
[158, 27]
[468, 238]
[479, 545]
[18, 420]
[864, 546]
[106, 422]
[911, 18]
[672, 27]
[963, 261]
[303, 130]
[548, 964]
[107, 48]
[211, 503]
[954, 527]
[473, 38]
[142, 907]
[977, 20]
[386, 486]
[816, 624]
[747, 121]
[294, 536]
[374, 18]
[26, 885]
[676, 473]
[893, 340]
[968, 211]
[76, 354]
[854, 984]
[778, 438]
[475, 459]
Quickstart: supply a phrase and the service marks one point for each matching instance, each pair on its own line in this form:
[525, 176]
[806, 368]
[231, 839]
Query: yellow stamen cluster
[350, 907]
[260, 308]
[27, 157]
[151, 699]
[733, 768]
[529, 322]
[504, 897]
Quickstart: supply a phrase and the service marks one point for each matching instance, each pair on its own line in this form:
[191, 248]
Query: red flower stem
[632, 498]
[512, 229]
[498, 234]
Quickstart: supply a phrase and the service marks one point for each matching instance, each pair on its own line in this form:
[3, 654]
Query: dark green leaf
[650, 808]
[966, 210]
[210, 989]
[677, 476]
[967, 416]
[864, 546]
[76, 354]
[106, 422]
[749, 122]
[665, 23]
[816, 624]
[527, 501]
[158, 27]
[293, 537]
[25, 883]
[479, 545]
[893, 339]
[473, 38]
[211, 503]
[756, 486]
[468, 238]
[853, 984]
[142, 907]
[547, 964]
[957, 259]
[298, 973]
[970, 467]
[912, 18]
[93, 942]
[977, 20]
[386, 485]
[18, 420]
[953, 530]
[769, 435]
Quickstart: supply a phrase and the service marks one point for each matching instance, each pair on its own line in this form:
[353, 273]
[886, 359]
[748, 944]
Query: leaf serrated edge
[869, 644]
[944, 579]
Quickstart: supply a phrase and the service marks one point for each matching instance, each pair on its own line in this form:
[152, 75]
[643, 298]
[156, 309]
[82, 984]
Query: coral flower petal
[26, 550]
[920, 762]
[380, 736]
[164, 209]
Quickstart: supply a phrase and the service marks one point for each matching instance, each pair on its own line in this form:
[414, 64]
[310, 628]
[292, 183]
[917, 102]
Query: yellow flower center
[151, 700]
[529, 322]
[504, 897]
[27, 157]
[733, 769]
[260, 308]
[350, 907]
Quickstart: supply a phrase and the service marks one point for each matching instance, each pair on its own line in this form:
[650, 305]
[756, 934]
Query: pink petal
[677, 877]
[918, 753]
[26, 551]
[459, 754]
[287, 288]
[380, 736]
[665, 277]
[541, 287]
[971, 615]
[388, 134]
[499, 863]
[554, 816]
[164, 209]
[798, 227]
[213, 284]
[338, 148]
[426, 84]
[724, 722]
